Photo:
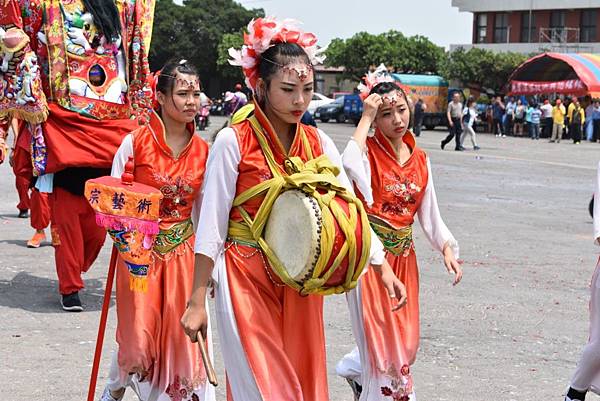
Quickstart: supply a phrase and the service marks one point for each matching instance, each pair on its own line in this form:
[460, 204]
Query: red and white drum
[318, 249]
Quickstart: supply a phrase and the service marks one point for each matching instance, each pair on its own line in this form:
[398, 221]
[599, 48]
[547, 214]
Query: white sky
[328, 19]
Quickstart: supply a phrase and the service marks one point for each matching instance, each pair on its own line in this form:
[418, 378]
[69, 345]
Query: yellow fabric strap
[317, 178]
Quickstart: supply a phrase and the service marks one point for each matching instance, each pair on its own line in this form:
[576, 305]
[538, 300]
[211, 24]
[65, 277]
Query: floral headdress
[372, 79]
[262, 34]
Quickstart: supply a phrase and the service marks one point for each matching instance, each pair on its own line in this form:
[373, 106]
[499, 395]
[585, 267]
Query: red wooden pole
[102, 326]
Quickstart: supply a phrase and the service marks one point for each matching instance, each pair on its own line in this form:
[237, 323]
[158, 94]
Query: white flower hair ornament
[372, 79]
[266, 32]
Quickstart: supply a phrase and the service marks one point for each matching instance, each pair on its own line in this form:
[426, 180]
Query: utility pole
[530, 20]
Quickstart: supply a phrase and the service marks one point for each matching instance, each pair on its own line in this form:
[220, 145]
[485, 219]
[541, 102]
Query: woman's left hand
[452, 265]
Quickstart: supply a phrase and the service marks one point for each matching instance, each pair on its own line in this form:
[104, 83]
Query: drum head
[293, 232]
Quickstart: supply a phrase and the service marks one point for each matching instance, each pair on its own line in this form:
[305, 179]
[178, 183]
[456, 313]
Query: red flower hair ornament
[266, 32]
[153, 84]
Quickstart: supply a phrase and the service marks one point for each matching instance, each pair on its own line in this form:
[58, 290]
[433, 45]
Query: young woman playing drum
[272, 336]
[155, 357]
[393, 178]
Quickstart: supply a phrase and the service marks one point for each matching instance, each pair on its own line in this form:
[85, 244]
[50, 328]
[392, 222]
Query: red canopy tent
[567, 73]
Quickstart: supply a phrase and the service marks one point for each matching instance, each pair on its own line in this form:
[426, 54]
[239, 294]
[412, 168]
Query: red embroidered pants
[22, 169]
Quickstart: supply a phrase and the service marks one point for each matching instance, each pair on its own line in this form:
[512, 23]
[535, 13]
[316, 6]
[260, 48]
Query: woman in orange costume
[393, 178]
[269, 354]
[155, 357]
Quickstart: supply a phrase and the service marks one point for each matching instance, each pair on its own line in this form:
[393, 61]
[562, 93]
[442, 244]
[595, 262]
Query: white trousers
[471, 132]
[355, 365]
[587, 374]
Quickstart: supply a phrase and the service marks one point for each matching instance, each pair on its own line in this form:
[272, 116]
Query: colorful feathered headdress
[266, 32]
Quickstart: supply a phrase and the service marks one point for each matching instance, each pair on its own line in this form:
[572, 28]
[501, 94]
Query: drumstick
[210, 371]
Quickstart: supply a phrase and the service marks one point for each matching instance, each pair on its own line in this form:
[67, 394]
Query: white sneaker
[106, 396]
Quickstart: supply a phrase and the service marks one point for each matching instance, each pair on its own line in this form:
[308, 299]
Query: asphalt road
[512, 330]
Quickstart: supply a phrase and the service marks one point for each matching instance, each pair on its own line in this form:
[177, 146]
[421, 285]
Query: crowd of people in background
[570, 118]
[535, 117]
[562, 118]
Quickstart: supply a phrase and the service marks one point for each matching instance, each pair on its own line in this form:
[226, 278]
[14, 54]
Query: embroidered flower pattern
[182, 389]
[264, 174]
[176, 192]
[404, 190]
[401, 383]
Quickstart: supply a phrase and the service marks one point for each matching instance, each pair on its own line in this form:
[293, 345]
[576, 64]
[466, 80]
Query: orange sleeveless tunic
[281, 332]
[151, 341]
[393, 337]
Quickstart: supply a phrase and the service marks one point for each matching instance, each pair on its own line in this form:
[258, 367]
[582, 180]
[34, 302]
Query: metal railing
[562, 40]
[559, 35]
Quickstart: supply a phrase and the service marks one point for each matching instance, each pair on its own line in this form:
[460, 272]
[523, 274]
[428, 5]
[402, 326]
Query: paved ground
[511, 331]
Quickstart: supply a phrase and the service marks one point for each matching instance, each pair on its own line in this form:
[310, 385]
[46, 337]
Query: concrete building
[329, 80]
[533, 26]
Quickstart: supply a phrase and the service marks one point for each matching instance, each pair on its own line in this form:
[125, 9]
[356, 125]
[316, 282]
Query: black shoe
[459, 149]
[462, 148]
[71, 302]
[356, 389]
[442, 144]
[574, 395]
[23, 214]
[476, 148]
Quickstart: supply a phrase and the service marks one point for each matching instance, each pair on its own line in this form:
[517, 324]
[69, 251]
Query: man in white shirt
[546, 109]
[510, 116]
[454, 115]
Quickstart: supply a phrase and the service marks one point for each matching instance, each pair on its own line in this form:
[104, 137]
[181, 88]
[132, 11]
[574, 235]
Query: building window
[557, 24]
[588, 26]
[527, 31]
[501, 28]
[481, 28]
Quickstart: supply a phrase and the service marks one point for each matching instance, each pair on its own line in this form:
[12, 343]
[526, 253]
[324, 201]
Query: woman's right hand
[371, 105]
[395, 288]
[194, 320]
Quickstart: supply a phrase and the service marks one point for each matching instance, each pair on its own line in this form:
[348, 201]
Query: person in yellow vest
[558, 121]
[576, 116]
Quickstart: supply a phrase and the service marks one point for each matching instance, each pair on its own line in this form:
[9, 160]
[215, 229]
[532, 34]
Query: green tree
[422, 56]
[168, 38]
[415, 54]
[229, 40]
[356, 54]
[482, 67]
[194, 31]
